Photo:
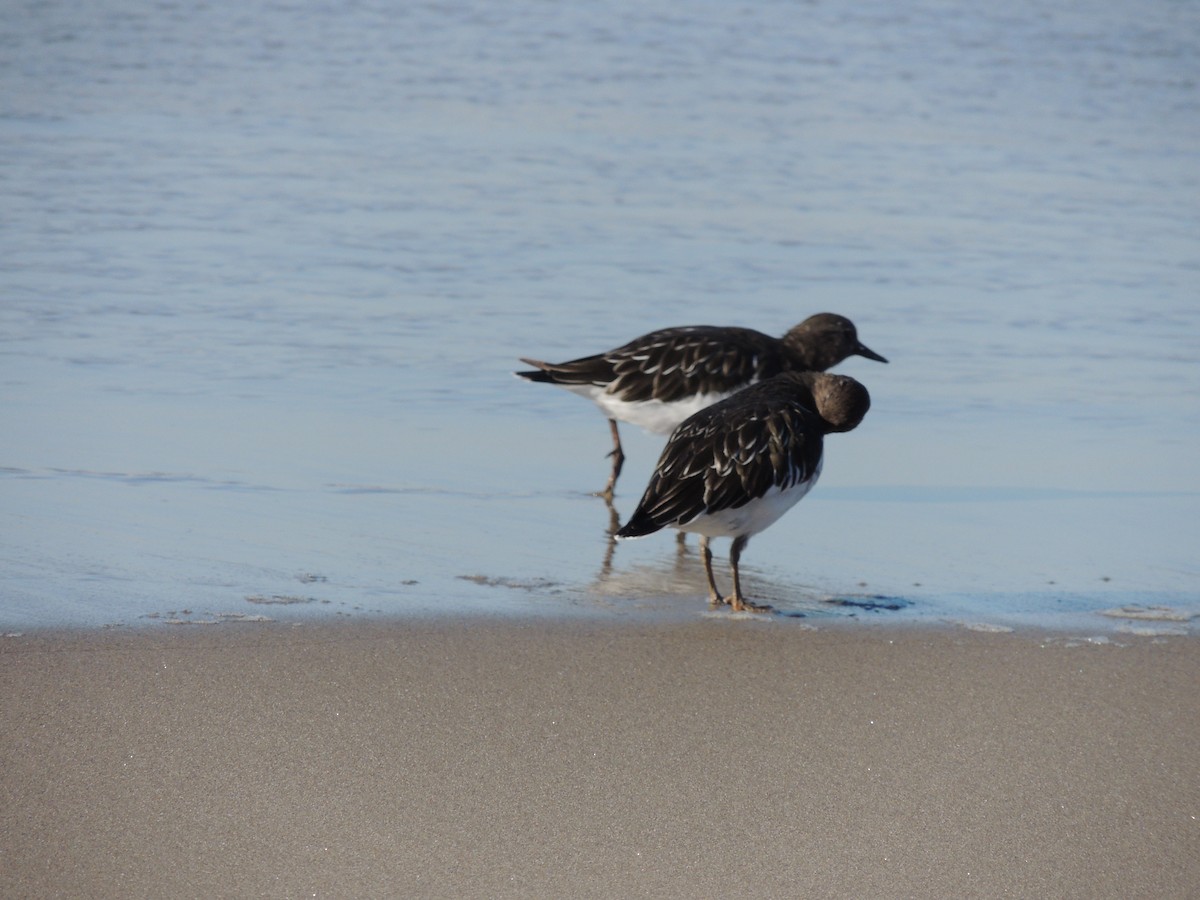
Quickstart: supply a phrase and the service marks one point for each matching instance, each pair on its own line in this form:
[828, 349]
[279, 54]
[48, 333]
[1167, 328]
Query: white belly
[653, 415]
[753, 517]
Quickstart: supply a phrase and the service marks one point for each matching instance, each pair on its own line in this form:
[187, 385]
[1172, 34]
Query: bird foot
[740, 604]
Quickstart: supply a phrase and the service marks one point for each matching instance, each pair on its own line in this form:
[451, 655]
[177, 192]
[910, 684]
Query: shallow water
[267, 270]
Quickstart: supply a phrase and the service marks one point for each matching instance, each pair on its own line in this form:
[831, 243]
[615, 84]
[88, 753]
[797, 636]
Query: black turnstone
[732, 469]
[658, 380]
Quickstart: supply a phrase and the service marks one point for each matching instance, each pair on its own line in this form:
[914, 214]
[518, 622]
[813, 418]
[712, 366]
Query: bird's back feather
[729, 454]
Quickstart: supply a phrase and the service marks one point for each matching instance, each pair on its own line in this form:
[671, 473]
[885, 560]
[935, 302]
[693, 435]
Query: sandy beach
[520, 758]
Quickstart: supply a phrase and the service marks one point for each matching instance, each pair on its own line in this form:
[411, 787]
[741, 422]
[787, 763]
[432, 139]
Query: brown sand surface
[720, 758]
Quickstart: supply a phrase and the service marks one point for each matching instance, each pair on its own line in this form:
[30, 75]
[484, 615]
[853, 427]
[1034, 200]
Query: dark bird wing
[727, 455]
[676, 363]
[595, 370]
[672, 364]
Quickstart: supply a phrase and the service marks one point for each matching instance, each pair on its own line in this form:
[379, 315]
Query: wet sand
[717, 758]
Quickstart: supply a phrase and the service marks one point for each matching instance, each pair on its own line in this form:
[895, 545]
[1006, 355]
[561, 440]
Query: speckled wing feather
[597, 370]
[729, 454]
[676, 363]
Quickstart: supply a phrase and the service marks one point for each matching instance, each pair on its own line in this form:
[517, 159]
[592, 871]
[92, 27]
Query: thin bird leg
[681, 541]
[736, 600]
[714, 596]
[618, 458]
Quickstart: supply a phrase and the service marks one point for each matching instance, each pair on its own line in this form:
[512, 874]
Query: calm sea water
[266, 269]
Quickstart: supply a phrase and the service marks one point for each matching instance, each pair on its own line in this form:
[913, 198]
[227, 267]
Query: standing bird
[659, 379]
[732, 469]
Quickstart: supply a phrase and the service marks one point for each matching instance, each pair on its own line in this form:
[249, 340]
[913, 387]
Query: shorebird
[659, 379]
[732, 469]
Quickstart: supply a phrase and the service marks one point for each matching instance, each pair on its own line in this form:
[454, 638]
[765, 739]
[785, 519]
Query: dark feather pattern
[678, 362]
[673, 363]
[733, 452]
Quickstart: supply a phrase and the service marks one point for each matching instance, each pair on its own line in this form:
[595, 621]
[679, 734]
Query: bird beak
[864, 350]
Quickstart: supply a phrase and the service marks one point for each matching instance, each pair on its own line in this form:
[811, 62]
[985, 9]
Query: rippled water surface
[267, 268]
